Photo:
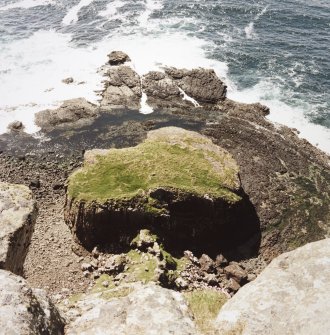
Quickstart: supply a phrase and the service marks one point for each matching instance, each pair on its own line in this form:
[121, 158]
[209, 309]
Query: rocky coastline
[108, 248]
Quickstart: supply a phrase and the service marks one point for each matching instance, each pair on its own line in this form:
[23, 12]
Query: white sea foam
[186, 97]
[249, 29]
[112, 9]
[27, 4]
[145, 108]
[150, 7]
[72, 15]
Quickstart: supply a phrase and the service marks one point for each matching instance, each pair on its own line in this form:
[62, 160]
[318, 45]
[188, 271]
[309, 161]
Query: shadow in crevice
[196, 224]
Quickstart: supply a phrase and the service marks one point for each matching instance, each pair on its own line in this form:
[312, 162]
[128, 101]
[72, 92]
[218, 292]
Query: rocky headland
[140, 222]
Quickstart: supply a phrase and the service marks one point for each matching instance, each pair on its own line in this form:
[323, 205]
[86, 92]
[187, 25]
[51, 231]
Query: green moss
[98, 287]
[205, 306]
[143, 269]
[126, 173]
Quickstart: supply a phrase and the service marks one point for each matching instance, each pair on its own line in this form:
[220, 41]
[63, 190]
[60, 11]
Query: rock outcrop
[147, 310]
[291, 296]
[176, 183]
[118, 58]
[26, 311]
[18, 213]
[122, 88]
[71, 114]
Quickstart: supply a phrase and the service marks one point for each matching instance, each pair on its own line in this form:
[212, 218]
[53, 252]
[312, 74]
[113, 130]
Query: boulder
[122, 88]
[162, 91]
[71, 114]
[147, 310]
[118, 58]
[26, 311]
[291, 296]
[68, 80]
[16, 126]
[176, 183]
[18, 212]
[236, 272]
[203, 85]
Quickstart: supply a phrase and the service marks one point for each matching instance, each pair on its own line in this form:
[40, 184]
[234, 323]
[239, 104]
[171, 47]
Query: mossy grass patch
[172, 158]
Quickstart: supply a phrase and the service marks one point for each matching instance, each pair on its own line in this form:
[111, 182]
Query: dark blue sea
[276, 52]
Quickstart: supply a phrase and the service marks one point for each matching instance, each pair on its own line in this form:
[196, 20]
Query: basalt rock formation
[18, 213]
[176, 183]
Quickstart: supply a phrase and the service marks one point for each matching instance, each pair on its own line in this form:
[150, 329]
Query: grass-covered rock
[176, 183]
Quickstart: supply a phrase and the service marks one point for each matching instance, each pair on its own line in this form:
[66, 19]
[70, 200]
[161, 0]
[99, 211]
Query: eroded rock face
[18, 213]
[177, 183]
[118, 58]
[147, 310]
[26, 311]
[72, 113]
[291, 296]
[123, 88]
[201, 84]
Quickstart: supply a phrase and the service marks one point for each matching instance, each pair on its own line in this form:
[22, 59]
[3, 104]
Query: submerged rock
[18, 213]
[291, 296]
[72, 113]
[177, 183]
[118, 58]
[26, 311]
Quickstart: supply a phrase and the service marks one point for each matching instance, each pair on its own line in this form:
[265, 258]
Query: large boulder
[26, 311]
[147, 310]
[291, 296]
[118, 58]
[176, 182]
[203, 85]
[122, 88]
[71, 114]
[18, 213]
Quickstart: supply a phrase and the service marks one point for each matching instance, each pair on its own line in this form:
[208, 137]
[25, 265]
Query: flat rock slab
[148, 310]
[18, 213]
[26, 311]
[291, 296]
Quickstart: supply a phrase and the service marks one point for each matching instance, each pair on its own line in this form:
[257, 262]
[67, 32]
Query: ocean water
[275, 52]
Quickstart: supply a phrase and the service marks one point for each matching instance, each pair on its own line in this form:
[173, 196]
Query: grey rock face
[201, 84]
[24, 311]
[148, 310]
[72, 113]
[291, 296]
[123, 88]
[18, 213]
[118, 58]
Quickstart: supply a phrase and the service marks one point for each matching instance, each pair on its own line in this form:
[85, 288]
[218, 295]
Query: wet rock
[118, 58]
[68, 80]
[147, 310]
[71, 114]
[122, 88]
[203, 85]
[16, 126]
[26, 311]
[290, 296]
[18, 212]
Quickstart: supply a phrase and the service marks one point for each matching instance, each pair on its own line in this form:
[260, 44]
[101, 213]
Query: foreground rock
[71, 114]
[26, 311]
[18, 213]
[291, 296]
[176, 183]
[118, 58]
[147, 310]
